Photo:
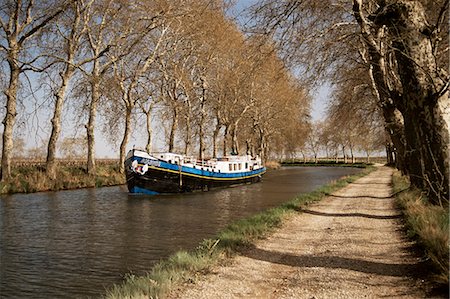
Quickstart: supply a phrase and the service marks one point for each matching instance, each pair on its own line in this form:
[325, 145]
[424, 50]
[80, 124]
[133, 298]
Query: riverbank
[426, 224]
[189, 266]
[32, 178]
[29, 177]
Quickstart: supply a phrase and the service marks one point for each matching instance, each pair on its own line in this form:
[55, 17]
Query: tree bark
[225, 136]
[148, 146]
[95, 97]
[214, 139]
[173, 128]
[56, 122]
[126, 136]
[10, 117]
[201, 133]
[69, 69]
[424, 93]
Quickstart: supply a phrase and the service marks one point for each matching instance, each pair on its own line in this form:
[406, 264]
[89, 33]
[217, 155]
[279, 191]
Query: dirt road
[350, 245]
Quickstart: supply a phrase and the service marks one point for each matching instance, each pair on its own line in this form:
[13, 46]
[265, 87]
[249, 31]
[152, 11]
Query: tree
[67, 32]
[73, 147]
[403, 56]
[421, 92]
[20, 23]
[128, 74]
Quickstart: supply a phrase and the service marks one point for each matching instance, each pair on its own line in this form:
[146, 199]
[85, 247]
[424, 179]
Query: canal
[75, 244]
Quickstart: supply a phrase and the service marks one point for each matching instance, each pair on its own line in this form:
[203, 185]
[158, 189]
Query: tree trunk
[214, 139]
[173, 128]
[234, 140]
[69, 69]
[390, 159]
[352, 155]
[10, 117]
[426, 129]
[187, 140]
[148, 147]
[56, 122]
[225, 136]
[395, 128]
[380, 86]
[125, 138]
[201, 147]
[95, 97]
[344, 155]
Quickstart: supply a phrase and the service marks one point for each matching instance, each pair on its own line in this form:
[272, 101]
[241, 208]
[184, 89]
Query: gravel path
[350, 245]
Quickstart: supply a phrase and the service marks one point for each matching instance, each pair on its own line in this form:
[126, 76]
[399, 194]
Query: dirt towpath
[350, 245]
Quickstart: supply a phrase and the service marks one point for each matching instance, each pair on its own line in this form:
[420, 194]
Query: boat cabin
[228, 164]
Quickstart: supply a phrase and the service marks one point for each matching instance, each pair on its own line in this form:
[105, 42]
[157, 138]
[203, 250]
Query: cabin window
[235, 167]
[246, 165]
[170, 161]
[231, 166]
[240, 166]
[162, 156]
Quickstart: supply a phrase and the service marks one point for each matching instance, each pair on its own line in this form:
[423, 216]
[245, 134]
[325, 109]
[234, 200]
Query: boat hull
[162, 177]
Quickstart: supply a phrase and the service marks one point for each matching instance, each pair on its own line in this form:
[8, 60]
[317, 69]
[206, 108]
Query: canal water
[75, 244]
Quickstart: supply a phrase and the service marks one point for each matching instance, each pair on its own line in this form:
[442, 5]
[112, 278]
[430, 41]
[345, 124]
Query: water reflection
[76, 243]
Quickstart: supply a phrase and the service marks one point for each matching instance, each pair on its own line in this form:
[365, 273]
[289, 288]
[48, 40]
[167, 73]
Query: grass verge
[427, 224]
[186, 266]
[34, 179]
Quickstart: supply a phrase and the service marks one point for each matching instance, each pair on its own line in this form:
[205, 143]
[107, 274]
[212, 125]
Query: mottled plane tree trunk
[71, 42]
[101, 36]
[20, 21]
[423, 93]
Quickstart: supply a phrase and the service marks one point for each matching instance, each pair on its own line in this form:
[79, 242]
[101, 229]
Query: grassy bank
[427, 224]
[185, 266]
[27, 179]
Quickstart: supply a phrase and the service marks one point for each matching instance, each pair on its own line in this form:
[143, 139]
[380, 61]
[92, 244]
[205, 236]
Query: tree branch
[38, 27]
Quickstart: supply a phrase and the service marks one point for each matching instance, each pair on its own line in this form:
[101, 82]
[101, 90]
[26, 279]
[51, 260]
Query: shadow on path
[381, 217]
[360, 196]
[334, 262]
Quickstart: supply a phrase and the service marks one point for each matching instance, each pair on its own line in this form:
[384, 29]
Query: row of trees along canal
[187, 65]
[118, 63]
[388, 58]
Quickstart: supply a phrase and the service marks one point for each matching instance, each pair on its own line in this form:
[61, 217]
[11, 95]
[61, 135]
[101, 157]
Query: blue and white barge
[174, 173]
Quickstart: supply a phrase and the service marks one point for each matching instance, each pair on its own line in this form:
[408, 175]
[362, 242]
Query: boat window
[246, 165]
[170, 161]
[230, 166]
[235, 167]
[240, 166]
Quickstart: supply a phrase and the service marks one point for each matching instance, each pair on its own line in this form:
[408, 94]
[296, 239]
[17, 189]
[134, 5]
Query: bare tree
[403, 55]
[20, 22]
[68, 32]
[422, 89]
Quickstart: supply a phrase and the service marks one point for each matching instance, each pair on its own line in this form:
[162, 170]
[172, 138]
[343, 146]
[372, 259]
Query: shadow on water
[77, 243]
